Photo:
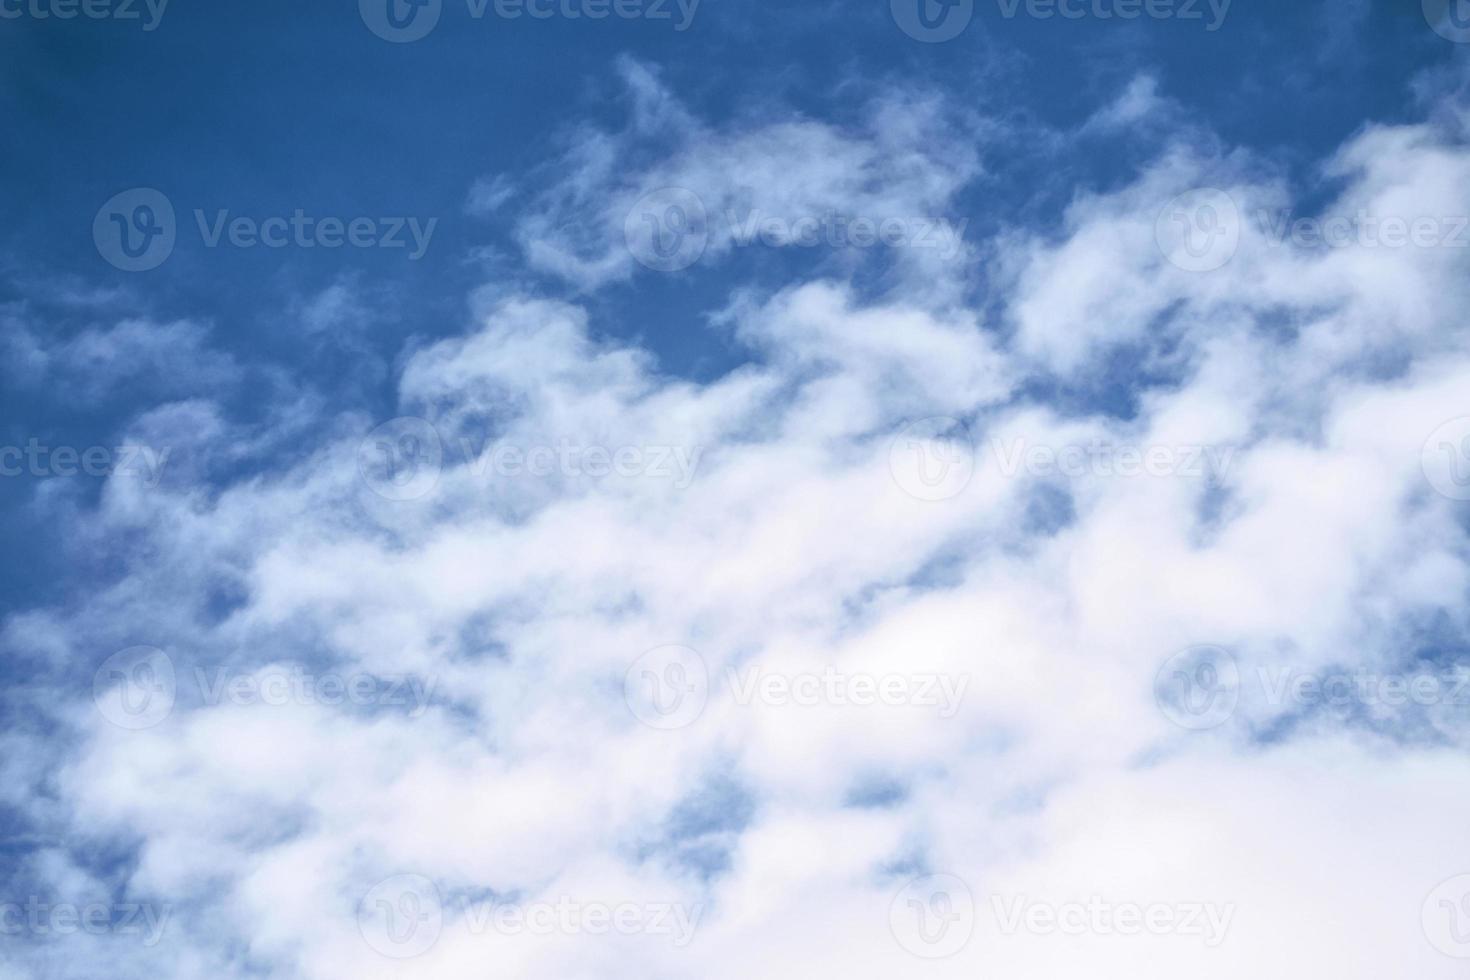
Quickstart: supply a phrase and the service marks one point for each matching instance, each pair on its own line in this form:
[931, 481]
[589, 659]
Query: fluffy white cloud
[773, 522]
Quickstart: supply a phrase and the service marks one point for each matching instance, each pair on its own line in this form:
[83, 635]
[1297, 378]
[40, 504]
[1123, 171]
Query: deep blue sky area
[267, 106]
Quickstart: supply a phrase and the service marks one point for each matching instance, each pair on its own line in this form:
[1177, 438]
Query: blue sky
[265, 109]
[262, 110]
[609, 524]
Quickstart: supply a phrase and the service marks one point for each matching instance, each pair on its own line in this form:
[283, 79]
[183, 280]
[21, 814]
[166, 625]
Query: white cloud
[526, 599]
[164, 359]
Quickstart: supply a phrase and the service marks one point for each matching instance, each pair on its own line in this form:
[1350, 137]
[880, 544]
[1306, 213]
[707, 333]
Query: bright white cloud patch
[414, 729]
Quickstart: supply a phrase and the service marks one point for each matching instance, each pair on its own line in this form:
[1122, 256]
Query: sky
[661, 488]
